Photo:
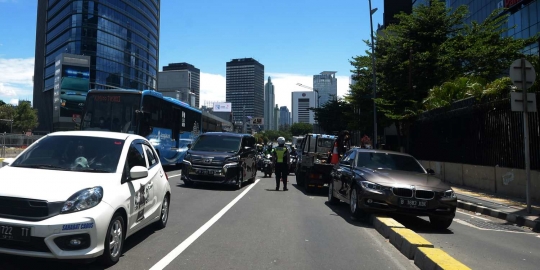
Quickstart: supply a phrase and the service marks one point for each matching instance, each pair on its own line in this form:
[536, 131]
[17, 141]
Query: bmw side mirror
[430, 171]
[138, 172]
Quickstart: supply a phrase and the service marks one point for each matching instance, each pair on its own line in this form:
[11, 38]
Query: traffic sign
[516, 74]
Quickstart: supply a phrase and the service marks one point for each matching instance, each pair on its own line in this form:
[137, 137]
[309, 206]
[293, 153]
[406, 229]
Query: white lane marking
[474, 216]
[180, 248]
[171, 176]
[484, 229]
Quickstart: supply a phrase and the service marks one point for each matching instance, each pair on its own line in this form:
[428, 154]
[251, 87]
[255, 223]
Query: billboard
[257, 121]
[71, 85]
[222, 107]
[511, 3]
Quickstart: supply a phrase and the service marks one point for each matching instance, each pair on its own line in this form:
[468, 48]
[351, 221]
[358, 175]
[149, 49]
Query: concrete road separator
[435, 259]
[385, 224]
[414, 246]
[407, 241]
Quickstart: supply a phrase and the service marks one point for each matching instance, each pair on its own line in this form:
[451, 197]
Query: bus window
[111, 112]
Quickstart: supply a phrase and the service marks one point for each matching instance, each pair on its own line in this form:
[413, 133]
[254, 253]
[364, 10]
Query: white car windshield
[73, 153]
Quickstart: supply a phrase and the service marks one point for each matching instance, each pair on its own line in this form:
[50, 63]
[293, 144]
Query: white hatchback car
[80, 194]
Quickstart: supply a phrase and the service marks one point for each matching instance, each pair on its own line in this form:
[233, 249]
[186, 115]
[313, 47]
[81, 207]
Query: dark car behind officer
[281, 159]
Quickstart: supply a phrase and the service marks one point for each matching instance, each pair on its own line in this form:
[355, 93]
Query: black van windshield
[217, 143]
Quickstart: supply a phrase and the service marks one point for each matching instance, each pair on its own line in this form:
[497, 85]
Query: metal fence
[13, 144]
[477, 133]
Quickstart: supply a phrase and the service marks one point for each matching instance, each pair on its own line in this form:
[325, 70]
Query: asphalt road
[213, 227]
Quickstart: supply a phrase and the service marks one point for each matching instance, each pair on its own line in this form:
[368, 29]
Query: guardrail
[13, 144]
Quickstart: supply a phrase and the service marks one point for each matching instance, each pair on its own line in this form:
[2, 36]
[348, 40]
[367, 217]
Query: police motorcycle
[292, 164]
[268, 168]
[260, 162]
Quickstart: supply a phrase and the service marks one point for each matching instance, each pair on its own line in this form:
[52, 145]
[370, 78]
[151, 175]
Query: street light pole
[371, 11]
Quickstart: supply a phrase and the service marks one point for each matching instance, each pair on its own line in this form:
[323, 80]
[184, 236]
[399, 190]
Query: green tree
[333, 116]
[7, 112]
[408, 58]
[448, 92]
[298, 129]
[481, 50]
[25, 117]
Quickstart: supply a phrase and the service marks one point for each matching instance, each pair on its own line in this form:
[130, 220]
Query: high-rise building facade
[524, 15]
[276, 120]
[302, 101]
[326, 84]
[121, 38]
[269, 102]
[177, 84]
[245, 88]
[195, 78]
[284, 116]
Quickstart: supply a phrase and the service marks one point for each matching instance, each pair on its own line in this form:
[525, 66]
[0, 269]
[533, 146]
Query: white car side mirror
[138, 172]
[7, 161]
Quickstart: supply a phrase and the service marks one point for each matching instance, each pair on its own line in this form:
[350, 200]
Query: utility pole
[372, 11]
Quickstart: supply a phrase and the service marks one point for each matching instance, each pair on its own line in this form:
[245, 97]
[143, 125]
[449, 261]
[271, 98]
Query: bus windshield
[111, 112]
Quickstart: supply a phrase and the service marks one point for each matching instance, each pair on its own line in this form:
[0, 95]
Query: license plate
[205, 172]
[14, 233]
[412, 203]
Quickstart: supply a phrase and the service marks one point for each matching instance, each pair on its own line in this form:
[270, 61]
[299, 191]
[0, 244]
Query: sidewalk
[498, 206]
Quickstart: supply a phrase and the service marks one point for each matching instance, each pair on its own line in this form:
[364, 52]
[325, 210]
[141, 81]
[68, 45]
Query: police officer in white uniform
[281, 160]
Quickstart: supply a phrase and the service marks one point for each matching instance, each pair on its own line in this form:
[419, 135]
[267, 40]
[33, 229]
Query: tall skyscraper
[121, 38]
[326, 84]
[269, 102]
[275, 121]
[301, 102]
[245, 88]
[195, 78]
[284, 116]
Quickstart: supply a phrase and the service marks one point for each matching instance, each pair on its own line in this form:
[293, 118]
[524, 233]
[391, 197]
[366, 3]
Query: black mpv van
[221, 158]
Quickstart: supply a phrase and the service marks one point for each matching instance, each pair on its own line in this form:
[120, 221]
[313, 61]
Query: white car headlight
[450, 194]
[82, 200]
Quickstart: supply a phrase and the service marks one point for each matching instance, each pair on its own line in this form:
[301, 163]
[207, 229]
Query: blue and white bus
[168, 123]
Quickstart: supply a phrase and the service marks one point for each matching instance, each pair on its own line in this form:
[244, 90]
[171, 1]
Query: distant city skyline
[207, 44]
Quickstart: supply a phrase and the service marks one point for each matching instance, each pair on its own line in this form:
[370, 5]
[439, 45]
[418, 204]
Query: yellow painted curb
[434, 258]
[412, 237]
[407, 241]
[384, 225]
[390, 222]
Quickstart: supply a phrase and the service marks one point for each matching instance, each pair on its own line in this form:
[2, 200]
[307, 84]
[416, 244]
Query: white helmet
[281, 141]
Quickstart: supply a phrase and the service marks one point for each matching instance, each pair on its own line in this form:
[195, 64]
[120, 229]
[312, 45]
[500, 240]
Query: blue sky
[293, 39]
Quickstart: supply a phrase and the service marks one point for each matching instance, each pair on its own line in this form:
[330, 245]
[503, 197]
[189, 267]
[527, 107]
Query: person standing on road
[281, 161]
[343, 142]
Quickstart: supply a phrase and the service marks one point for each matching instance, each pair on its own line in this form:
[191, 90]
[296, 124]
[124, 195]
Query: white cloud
[213, 86]
[16, 78]
[14, 101]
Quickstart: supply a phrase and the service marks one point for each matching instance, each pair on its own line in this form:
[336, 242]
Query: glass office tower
[120, 36]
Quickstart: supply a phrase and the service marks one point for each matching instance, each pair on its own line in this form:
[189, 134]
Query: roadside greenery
[23, 116]
[428, 60]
